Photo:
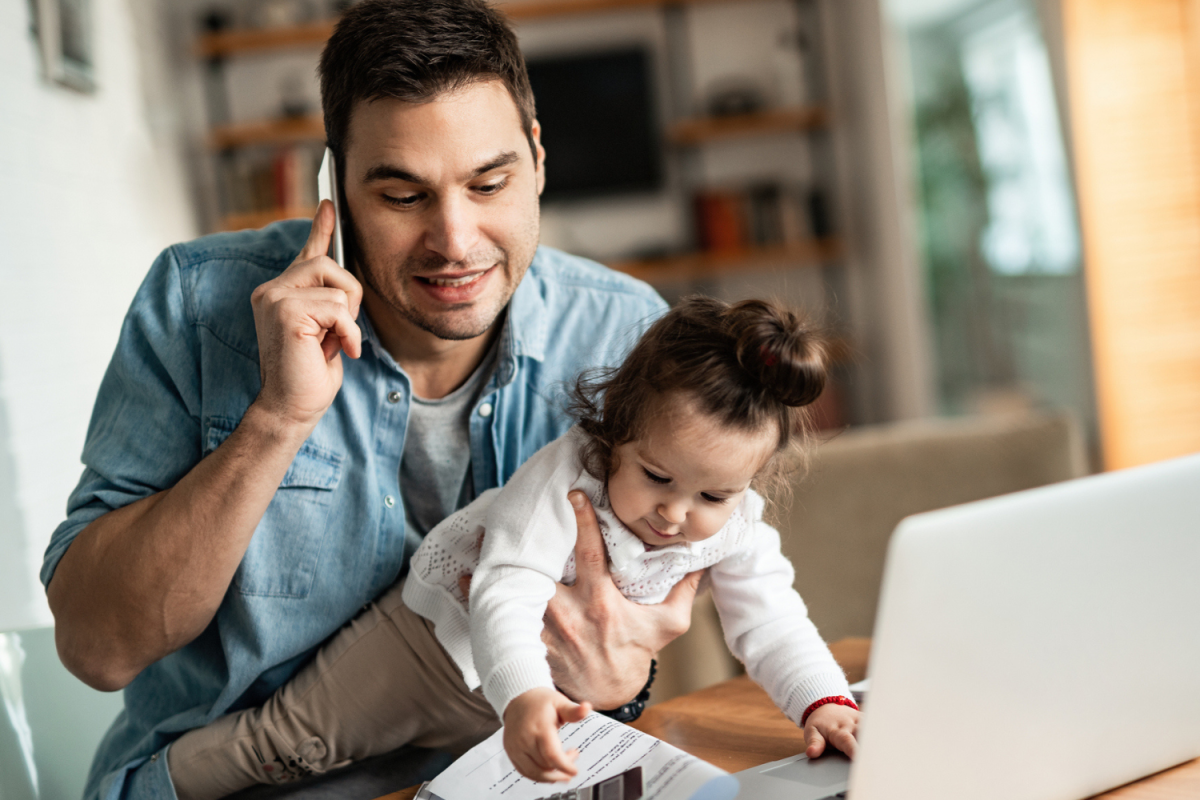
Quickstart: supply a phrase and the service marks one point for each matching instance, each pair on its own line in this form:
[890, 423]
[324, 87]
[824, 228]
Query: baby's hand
[832, 724]
[531, 723]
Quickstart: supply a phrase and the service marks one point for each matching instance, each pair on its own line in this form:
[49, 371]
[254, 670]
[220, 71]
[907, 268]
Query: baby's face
[682, 481]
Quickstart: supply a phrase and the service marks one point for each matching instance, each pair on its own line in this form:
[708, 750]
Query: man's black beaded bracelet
[634, 708]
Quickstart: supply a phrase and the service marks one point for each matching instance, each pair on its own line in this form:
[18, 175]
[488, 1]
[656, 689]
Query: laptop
[1043, 645]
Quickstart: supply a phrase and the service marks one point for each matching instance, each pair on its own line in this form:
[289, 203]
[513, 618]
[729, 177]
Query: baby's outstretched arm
[834, 725]
[531, 723]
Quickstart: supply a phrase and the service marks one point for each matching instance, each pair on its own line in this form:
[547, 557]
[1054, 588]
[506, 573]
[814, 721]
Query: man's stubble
[447, 327]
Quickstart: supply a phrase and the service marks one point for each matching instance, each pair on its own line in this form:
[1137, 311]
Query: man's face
[443, 197]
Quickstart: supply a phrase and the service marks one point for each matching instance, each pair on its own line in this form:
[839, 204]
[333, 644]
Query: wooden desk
[735, 726]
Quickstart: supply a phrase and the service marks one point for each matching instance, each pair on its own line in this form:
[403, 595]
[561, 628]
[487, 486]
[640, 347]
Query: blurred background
[993, 204]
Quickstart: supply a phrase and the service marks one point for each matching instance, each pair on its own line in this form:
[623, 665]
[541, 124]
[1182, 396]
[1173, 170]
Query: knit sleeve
[530, 533]
[766, 625]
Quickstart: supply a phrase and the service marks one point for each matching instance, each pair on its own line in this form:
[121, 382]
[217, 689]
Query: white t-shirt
[529, 547]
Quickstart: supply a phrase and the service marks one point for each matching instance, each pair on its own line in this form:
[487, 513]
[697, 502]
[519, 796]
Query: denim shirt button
[389, 501]
[394, 397]
[485, 410]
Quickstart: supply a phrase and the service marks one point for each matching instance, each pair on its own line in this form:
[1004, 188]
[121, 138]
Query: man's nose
[452, 230]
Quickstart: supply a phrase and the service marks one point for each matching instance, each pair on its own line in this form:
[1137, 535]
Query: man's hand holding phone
[304, 318]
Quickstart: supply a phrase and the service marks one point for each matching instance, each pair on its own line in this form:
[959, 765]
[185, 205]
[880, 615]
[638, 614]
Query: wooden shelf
[215, 45]
[226, 43]
[696, 266]
[538, 9]
[273, 131]
[707, 129]
[688, 132]
[257, 219]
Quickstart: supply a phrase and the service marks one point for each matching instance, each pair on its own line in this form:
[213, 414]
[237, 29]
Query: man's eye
[406, 201]
[712, 498]
[655, 478]
[492, 188]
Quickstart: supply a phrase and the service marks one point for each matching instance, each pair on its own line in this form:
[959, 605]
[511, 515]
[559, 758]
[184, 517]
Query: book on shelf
[295, 171]
[765, 214]
[720, 220]
[284, 177]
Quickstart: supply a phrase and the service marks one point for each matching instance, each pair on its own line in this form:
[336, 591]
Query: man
[275, 434]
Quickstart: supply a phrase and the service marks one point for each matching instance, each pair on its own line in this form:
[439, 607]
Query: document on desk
[606, 748]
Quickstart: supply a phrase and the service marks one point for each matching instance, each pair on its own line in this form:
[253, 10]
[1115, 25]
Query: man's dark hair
[415, 50]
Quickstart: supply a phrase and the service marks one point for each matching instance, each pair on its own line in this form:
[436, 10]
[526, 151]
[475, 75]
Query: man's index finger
[321, 233]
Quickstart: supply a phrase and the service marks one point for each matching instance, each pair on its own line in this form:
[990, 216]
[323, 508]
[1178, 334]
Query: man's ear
[535, 132]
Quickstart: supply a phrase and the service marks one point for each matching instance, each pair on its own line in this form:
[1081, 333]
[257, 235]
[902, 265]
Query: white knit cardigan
[529, 546]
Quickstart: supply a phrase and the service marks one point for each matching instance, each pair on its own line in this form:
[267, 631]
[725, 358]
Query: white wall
[93, 188]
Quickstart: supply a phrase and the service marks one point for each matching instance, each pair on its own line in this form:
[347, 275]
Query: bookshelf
[690, 132]
[270, 131]
[223, 44]
[257, 219]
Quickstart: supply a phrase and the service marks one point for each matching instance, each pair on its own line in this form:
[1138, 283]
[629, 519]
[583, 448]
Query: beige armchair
[859, 486]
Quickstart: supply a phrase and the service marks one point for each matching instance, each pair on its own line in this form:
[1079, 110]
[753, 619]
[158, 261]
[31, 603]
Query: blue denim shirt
[184, 372]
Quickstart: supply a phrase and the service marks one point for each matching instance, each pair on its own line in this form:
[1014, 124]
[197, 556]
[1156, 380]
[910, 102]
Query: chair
[860, 485]
[50, 722]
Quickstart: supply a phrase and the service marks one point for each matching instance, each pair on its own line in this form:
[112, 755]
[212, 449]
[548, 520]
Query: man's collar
[371, 339]
[527, 318]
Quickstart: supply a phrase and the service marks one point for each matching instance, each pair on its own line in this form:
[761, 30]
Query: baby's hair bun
[779, 350]
[752, 366]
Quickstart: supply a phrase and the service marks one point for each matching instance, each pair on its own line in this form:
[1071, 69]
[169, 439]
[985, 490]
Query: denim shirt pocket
[285, 550]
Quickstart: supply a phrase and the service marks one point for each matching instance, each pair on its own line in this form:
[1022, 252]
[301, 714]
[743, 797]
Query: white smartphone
[327, 189]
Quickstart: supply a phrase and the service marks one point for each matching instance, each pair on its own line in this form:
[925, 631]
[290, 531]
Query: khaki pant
[381, 682]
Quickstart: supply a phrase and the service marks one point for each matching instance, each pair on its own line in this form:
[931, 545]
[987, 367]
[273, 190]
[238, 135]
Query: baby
[711, 401]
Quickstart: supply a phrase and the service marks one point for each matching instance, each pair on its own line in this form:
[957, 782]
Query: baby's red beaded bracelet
[824, 701]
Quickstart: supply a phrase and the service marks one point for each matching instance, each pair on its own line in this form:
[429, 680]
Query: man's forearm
[142, 581]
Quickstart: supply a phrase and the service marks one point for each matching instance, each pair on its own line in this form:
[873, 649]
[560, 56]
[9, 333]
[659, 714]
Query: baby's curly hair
[748, 364]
